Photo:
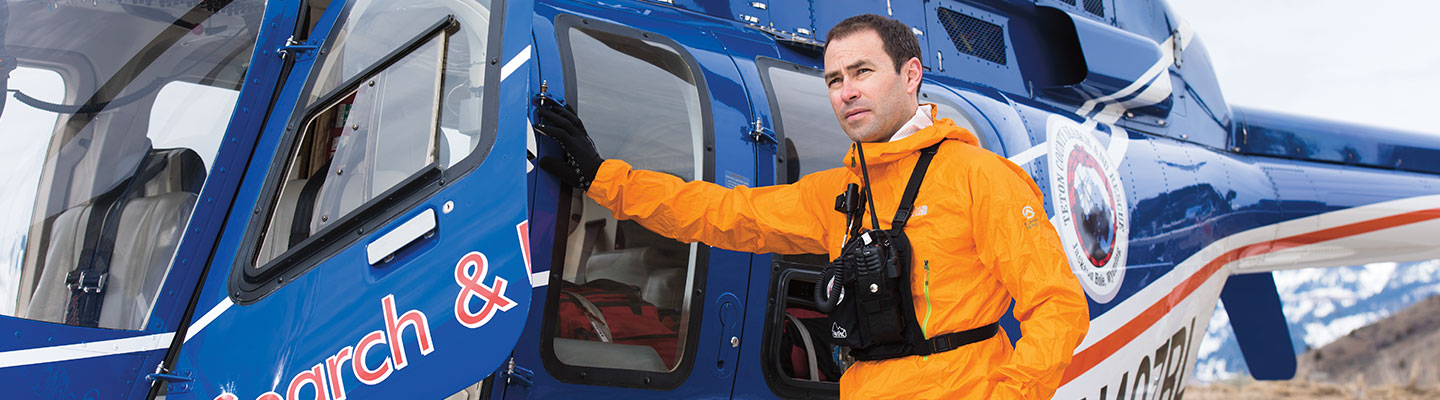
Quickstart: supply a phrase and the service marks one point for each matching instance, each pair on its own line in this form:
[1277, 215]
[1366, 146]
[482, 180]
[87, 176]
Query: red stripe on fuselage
[1120, 337]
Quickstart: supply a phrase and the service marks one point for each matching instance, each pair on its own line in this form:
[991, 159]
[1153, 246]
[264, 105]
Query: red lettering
[394, 327]
[364, 373]
[337, 385]
[524, 230]
[325, 377]
[472, 285]
[314, 377]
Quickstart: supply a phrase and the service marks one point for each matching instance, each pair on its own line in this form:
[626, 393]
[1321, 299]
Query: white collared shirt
[920, 120]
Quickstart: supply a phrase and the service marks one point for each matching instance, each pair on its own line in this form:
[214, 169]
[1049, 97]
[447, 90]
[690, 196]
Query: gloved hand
[581, 161]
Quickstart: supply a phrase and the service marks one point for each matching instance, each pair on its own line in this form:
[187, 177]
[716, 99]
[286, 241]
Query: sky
[1371, 62]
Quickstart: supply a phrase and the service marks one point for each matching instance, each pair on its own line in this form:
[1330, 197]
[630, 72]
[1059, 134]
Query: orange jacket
[979, 234]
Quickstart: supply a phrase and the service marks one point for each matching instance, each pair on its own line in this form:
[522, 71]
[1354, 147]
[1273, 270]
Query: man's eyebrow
[852, 66]
[857, 64]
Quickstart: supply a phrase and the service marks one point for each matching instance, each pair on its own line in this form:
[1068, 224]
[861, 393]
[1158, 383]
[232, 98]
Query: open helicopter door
[376, 247]
[124, 126]
[621, 311]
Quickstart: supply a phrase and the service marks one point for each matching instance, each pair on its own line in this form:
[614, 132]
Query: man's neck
[920, 120]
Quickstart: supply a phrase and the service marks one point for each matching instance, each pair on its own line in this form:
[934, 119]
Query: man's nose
[849, 92]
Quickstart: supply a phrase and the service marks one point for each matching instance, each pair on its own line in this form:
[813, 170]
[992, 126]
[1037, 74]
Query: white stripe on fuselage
[209, 317]
[51, 354]
[515, 63]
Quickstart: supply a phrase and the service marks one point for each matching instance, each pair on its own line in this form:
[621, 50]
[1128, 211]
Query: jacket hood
[887, 152]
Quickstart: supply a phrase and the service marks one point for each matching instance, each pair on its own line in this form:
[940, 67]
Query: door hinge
[300, 50]
[175, 381]
[517, 374]
[759, 134]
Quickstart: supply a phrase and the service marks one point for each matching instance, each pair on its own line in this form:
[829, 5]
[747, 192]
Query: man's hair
[900, 42]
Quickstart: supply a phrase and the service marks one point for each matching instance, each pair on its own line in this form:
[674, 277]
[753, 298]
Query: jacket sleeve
[1014, 237]
[773, 219]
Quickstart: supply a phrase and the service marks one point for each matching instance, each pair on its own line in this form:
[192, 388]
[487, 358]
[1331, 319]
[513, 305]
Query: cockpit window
[112, 114]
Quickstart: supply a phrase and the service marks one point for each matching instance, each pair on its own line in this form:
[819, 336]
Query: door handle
[386, 245]
[729, 308]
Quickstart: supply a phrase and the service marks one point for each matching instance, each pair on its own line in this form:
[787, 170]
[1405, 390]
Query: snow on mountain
[1321, 305]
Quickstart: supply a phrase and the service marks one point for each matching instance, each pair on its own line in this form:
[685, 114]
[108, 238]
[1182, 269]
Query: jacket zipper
[925, 327]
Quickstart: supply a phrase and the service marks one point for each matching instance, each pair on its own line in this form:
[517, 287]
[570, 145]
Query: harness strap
[955, 340]
[907, 200]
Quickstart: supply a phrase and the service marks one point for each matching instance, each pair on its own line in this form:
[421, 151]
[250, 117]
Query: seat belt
[87, 281]
[809, 347]
[592, 313]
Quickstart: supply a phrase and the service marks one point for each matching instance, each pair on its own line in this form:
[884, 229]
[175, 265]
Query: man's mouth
[853, 114]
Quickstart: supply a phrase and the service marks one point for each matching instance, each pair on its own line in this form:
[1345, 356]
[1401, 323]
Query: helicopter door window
[624, 293]
[372, 135]
[394, 103]
[108, 149]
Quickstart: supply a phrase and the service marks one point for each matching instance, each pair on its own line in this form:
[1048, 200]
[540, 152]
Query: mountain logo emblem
[1091, 212]
[836, 331]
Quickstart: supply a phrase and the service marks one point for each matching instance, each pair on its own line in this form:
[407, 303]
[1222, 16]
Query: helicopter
[296, 199]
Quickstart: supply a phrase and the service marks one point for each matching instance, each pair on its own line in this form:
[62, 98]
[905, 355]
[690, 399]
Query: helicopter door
[376, 248]
[627, 312]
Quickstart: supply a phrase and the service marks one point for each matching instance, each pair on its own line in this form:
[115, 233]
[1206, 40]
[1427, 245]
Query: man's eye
[832, 82]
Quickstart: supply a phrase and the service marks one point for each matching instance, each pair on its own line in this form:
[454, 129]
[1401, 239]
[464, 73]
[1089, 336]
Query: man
[979, 234]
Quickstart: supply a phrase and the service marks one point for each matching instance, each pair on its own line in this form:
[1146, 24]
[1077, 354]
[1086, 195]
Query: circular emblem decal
[1091, 212]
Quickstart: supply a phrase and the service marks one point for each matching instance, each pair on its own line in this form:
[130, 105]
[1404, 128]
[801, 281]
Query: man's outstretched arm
[773, 219]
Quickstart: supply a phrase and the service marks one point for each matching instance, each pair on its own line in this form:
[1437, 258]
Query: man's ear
[912, 72]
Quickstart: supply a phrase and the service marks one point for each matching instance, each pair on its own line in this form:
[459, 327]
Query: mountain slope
[1322, 305]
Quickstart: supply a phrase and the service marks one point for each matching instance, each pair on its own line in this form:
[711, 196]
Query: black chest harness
[866, 290]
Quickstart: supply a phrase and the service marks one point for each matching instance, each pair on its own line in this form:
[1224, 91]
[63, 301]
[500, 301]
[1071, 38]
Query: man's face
[871, 99]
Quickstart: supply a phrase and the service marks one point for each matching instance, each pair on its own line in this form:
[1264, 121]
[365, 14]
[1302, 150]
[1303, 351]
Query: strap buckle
[84, 282]
[955, 340]
[941, 344]
[902, 216]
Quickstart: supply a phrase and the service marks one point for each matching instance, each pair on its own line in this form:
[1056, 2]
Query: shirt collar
[920, 120]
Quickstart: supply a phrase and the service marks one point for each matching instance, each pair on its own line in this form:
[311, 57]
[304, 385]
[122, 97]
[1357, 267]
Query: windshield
[112, 115]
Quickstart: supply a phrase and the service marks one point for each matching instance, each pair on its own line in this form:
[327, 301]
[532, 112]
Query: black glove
[582, 161]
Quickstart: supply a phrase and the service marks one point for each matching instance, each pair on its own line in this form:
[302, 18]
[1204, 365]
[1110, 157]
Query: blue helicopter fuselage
[370, 222]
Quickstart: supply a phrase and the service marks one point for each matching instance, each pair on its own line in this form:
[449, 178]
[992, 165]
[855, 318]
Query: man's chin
[866, 138]
[862, 135]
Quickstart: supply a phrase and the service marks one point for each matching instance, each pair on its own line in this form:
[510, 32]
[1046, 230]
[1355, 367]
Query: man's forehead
[856, 49]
